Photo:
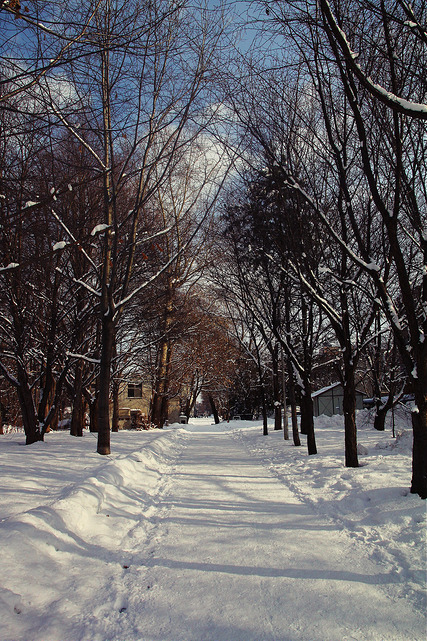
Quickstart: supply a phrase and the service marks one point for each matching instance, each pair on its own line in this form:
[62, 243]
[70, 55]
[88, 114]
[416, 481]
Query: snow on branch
[88, 287]
[372, 268]
[406, 107]
[83, 357]
[70, 234]
[12, 380]
[99, 229]
[9, 267]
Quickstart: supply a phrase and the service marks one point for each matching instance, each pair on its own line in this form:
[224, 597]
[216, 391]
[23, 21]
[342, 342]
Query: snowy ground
[211, 533]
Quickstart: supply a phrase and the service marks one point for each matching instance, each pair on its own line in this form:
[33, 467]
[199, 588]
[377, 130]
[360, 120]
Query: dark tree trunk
[276, 390]
[349, 409]
[419, 448]
[214, 409]
[93, 414]
[381, 412]
[307, 420]
[284, 396]
[351, 458]
[107, 342]
[264, 420]
[78, 413]
[264, 407]
[293, 404]
[305, 417]
[28, 410]
[277, 417]
[47, 393]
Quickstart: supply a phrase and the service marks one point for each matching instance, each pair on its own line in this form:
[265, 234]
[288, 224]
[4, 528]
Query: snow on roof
[328, 388]
[325, 389]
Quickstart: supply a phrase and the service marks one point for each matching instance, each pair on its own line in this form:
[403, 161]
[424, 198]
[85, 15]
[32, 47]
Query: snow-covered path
[236, 557]
[208, 533]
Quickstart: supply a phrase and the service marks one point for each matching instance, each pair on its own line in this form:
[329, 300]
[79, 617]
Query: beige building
[134, 406]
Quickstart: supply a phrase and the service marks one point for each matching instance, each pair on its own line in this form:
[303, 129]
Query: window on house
[134, 390]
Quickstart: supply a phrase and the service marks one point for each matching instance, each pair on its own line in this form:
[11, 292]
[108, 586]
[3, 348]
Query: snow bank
[77, 529]
[76, 538]
[372, 502]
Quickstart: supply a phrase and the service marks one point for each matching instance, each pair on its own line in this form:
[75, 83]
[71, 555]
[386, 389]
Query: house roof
[328, 388]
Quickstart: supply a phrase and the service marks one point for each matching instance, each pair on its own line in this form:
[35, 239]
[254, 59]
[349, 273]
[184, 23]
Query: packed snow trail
[235, 556]
[208, 533]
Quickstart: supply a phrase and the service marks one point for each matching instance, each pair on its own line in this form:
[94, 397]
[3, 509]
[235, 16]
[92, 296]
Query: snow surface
[211, 533]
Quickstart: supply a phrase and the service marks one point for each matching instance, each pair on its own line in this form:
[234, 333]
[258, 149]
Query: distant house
[134, 405]
[329, 400]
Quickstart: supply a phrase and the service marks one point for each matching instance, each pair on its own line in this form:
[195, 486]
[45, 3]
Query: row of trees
[107, 186]
[110, 177]
[329, 236]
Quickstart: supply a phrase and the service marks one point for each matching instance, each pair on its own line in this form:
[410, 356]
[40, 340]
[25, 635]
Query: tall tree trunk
[349, 409]
[93, 414]
[307, 420]
[264, 418]
[284, 395]
[419, 427]
[106, 307]
[276, 390]
[78, 413]
[293, 404]
[214, 409]
[28, 410]
[159, 406]
[107, 342]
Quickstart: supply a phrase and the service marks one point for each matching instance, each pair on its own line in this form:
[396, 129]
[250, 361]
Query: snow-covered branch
[396, 103]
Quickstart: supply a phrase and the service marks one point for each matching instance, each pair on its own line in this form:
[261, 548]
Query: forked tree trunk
[381, 413]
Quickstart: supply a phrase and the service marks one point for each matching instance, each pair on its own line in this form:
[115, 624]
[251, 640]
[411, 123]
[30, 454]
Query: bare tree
[131, 93]
[388, 156]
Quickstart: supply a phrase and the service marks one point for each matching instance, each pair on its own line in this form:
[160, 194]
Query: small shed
[328, 400]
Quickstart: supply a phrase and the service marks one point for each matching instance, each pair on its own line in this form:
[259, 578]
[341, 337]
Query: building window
[134, 390]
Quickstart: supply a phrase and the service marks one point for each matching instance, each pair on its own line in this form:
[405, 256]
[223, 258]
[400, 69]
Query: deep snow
[211, 533]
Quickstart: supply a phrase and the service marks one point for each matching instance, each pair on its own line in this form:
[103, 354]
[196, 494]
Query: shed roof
[323, 390]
